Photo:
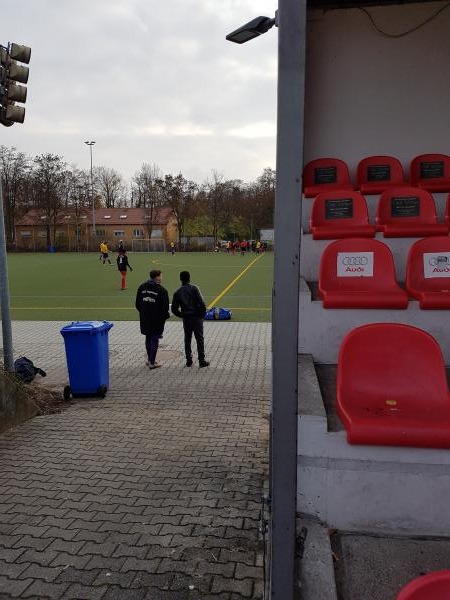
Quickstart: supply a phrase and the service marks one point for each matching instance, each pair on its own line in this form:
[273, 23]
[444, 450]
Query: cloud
[263, 129]
[149, 81]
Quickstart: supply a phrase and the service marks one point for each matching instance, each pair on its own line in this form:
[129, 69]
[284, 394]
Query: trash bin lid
[86, 327]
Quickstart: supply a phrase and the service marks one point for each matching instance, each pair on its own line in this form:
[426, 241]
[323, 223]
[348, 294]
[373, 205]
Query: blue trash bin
[86, 344]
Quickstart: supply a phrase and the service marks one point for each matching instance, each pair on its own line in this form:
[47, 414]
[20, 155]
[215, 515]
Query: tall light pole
[90, 144]
[291, 22]
[12, 73]
[8, 357]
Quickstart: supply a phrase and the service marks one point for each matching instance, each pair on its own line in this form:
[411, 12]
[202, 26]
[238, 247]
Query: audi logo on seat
[355, 261]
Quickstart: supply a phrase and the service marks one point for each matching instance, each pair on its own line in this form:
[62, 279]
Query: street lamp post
[90, 144]
[8, 356]
[291, 22]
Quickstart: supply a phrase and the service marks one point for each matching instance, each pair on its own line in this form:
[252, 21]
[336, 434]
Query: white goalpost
[148, 245]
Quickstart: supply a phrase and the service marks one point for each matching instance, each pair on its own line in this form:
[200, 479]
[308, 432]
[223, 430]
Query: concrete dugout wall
[367, 94]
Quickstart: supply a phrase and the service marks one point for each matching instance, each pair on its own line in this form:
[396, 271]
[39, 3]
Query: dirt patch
[47, 401]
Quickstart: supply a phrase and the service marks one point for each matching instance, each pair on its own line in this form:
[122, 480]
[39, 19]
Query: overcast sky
[149, 81]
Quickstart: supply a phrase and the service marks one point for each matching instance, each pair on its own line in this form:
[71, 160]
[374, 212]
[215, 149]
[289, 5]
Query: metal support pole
[90, 144]
[92, 194]
[288, 209]
[8, 356]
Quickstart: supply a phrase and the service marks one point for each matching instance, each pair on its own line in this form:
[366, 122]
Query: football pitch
[78, 287]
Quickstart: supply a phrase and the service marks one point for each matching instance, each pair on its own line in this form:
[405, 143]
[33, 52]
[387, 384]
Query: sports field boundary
[232, 283]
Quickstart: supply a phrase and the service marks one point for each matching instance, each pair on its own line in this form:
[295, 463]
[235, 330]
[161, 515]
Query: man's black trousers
[194, 325]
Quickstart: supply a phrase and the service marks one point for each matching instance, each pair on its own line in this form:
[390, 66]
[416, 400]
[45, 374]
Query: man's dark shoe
[189, 363]
[204, 363]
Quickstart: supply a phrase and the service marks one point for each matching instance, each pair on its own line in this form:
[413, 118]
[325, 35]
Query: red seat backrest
[433, 586]
[428, 258]
[339, 207]
[346, 264]
[408, 205]
[429, 168]
[447, 211]
[326, 171]
[379, 170]
[391, 369]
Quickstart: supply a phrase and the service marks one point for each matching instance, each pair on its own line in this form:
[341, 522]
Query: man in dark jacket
[189, 305]
[152, 302]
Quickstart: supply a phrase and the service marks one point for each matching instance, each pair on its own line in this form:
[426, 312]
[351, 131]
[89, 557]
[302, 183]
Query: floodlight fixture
[251, 30]
[11, 74]
[90, 144]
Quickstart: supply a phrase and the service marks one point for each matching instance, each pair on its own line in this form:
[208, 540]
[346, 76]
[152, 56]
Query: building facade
[72, 230]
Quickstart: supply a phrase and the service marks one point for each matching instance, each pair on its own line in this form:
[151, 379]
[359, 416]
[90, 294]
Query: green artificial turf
[78, 287]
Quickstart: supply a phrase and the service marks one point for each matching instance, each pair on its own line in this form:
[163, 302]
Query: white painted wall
[366, 94]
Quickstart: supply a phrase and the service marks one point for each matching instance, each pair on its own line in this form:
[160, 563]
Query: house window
[25, 233]
[156, 233]
[42, 234]
[100, 232]
[138, 233]
[119, 232]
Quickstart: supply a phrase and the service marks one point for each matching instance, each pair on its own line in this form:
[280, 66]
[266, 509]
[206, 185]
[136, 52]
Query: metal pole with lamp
[12, 73]
[90, 144]
[291, 22]
[8, 355]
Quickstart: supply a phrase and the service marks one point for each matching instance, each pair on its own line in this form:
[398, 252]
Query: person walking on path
[188, 304]
[152, 303]
[104, 253]
[172, 248]
[122, 265]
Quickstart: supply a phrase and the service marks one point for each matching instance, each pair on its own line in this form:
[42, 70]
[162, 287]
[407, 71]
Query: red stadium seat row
[401, 212]
[433, 586]
[375, 174]
[360, 273]
[392, 390]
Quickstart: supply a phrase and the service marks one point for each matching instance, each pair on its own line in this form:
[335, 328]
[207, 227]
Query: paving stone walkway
[152, 493]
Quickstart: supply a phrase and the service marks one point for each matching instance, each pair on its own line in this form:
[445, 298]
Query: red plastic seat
[377, 173]
[340, 214]
[408, 212]
[431, 172]
[428, 272]
[359, 273]
[325, 174]
[434, 586]
[392, 387]
[447, 211]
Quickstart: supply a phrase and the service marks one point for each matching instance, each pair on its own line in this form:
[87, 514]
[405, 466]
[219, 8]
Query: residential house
[72, 229]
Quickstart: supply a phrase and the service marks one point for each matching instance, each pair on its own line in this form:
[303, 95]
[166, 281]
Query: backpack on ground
[25, 369]
[218, 314]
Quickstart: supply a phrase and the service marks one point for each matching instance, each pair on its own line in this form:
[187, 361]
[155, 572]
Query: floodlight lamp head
[251, 30]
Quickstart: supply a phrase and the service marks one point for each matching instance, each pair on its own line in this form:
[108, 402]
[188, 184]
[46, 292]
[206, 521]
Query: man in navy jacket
[152, 302]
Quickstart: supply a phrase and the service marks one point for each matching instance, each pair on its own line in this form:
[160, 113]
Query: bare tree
[110, 185]
[146, 193]
[261, 199]
[216, 194]
[48, 179]
[14, 168]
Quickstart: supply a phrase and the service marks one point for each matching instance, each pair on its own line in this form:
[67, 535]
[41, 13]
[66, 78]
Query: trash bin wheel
[66, 392]
[102, 391]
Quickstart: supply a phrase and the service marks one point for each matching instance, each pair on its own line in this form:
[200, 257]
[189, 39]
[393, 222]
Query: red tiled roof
[134, 216]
